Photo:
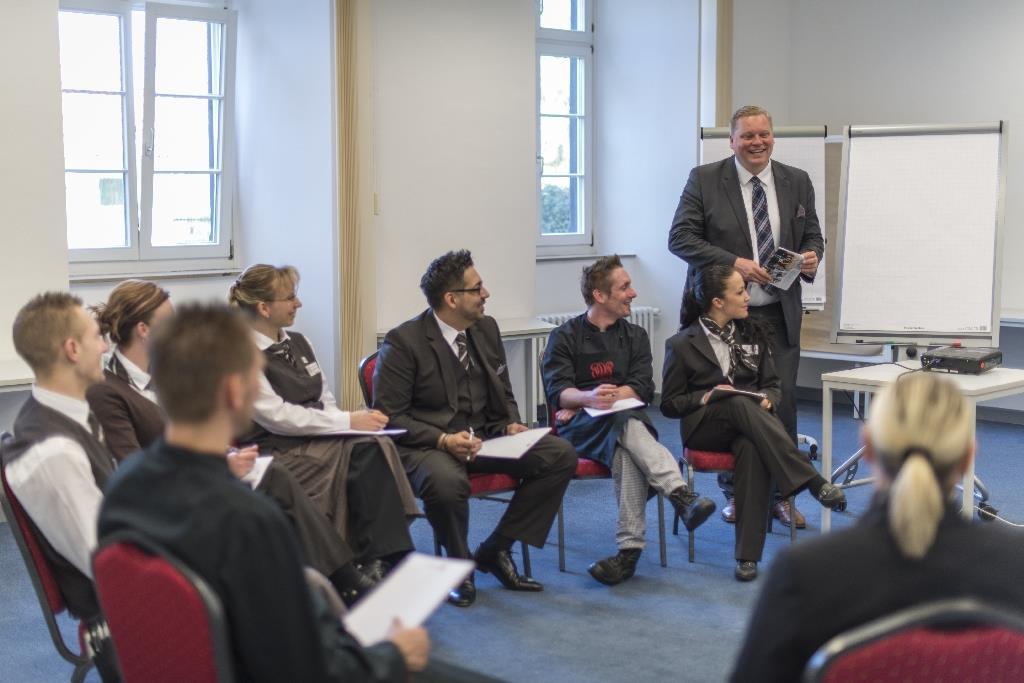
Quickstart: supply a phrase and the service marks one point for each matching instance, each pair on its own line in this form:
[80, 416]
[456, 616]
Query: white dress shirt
[758, 297]
[138, 378]
[53, 481]
[449, 334]
[278, 416]
[721, 350]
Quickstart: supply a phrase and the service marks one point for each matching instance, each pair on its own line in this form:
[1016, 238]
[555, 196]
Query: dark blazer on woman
[825, 586]
[130, 420]
[691, 368]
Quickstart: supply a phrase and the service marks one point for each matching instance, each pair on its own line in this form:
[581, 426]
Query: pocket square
[800, 211]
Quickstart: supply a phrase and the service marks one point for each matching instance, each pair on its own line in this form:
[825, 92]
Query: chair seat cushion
[591, 469]
[710, 461]
[482, 484]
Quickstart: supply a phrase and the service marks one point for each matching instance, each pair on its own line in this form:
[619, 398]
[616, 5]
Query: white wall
[455, 146]
[286, 143]
[646, 123]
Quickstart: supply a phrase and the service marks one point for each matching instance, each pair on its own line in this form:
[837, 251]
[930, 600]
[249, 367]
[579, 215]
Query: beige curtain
[351, 319]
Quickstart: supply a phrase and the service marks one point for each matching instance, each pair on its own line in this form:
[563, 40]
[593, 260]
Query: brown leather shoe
[782, 512]
[729, 511]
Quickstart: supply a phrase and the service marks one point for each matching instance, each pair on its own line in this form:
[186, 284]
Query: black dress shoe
[617, 568]
[352, 583]
[464, 594]
[831, 496]
[746, 570]
[504, 569]
[692, 509]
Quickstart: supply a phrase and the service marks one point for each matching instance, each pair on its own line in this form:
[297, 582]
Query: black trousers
[442, 483]
[763, 453]
[325, 550]
[376, 519]
[787, 364]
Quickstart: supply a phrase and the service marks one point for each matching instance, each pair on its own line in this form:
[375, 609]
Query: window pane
[554, 144]
[182, 208]
[187, 134]
[90, 51]
[567, 15]
[188, 57]
[559, 206]
[93, 131]
[95, 207]
[561, 85]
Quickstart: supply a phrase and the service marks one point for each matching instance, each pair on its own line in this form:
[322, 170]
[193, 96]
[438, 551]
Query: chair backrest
[947, 640]
[366, 368]
[166, 623]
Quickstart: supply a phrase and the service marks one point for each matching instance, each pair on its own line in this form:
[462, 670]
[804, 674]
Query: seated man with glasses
[443, 377]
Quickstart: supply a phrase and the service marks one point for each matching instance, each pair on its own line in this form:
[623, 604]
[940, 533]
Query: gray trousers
[640, 462]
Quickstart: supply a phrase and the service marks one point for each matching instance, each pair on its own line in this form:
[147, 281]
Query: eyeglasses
[471, 290]
[291, 297]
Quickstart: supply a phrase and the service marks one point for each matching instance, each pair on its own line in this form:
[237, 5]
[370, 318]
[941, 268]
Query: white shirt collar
[139, 377]
[263, 341]
[448, 332]
[765, 176]
[73, 408]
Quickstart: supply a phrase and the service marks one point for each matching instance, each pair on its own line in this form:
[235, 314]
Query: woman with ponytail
[911, 547]
[718, 351]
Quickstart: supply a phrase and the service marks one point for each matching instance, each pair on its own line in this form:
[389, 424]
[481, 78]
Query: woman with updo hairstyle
[131, 419]
[911, 547]
[718, 352]
[356, 479]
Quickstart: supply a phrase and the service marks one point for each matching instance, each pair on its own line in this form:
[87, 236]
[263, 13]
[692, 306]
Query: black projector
[968, 361]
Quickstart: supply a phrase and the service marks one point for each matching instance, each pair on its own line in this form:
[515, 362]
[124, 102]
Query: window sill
[158, 273]
[577, 256]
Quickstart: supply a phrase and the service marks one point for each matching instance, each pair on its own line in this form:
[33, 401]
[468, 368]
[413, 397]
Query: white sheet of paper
[259, 468]
[363, 432]
[410, 594]
[512, 447]
[621, 404]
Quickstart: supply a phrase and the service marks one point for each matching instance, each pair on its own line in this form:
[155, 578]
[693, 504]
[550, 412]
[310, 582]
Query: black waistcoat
[36, 423]
[472, 393]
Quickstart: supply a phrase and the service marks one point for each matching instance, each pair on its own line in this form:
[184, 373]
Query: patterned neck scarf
[738, 356]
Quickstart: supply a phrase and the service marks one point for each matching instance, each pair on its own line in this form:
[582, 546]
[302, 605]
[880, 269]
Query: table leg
[531, 384]
[967, 504]
[826, 449]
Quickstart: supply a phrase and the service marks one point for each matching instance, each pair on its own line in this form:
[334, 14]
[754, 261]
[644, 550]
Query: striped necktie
[762, 226]
[460, 342]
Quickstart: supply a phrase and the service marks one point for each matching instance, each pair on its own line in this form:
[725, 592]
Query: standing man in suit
[443, 377]
[736, 212]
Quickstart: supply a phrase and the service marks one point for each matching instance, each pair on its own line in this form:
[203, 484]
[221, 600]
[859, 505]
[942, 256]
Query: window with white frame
[564, 122]
[146, 102]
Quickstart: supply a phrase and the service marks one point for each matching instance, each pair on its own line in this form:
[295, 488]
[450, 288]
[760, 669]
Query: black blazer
[710, 225]
[414, 383]
[691, 368]
[827, 585]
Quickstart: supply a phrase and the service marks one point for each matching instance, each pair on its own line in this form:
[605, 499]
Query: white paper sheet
[259, 468]
[363, 432]
[512, 447]
[621, 404]
[410, 594]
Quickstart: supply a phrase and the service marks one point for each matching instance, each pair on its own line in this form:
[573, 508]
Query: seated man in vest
[181, 495]
[592, 361]
[57, 465]
[443, 378]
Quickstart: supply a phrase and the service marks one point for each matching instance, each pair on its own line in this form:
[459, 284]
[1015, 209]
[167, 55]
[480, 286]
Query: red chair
[51, 602]
[166, 623]
[948, 640]
[593, 469]
[481, 486]
[713, 461]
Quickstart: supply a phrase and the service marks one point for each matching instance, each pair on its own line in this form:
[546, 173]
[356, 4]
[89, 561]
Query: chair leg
[526, 559]
[437, 545]
[661, 531]
[78, 675]
[561, 538]
[792, 524]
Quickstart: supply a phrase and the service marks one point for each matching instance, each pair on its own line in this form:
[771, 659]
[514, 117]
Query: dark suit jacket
[824, 586]
[691, 368]
[710, 226]
[130, 420]
[415, 385]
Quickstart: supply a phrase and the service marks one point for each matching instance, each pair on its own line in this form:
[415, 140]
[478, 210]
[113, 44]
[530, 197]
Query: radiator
[644, 316]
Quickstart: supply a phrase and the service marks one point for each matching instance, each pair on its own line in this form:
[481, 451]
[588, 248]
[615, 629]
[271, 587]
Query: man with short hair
[592, 361]
[443, 377]
[57, 465]
[737, 212]
[181, 495]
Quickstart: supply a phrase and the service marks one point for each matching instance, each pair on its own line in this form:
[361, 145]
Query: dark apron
[597, 437]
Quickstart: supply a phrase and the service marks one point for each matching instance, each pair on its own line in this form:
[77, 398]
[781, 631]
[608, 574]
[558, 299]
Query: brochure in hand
[783, 267]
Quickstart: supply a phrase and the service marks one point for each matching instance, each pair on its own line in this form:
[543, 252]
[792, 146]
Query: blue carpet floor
[681, 623]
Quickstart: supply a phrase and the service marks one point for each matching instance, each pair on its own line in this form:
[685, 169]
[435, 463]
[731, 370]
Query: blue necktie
[762, 226]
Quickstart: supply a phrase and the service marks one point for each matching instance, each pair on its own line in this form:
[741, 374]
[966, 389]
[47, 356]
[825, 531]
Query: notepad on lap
[621, 404]
[718, 393]
[512, 447]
